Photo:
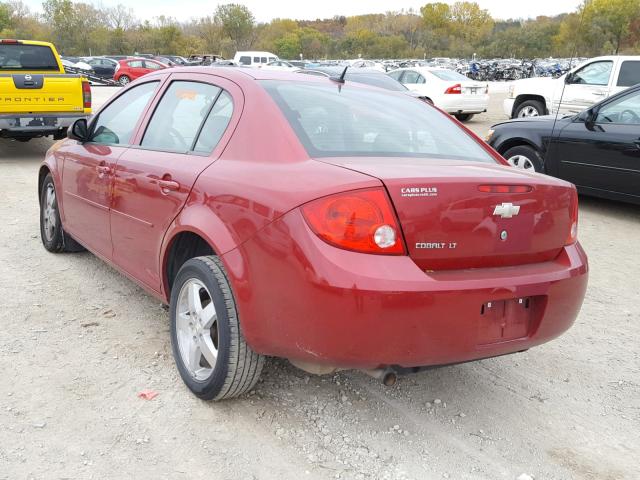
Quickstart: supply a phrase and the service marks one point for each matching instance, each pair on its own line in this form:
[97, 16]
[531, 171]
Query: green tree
[237, 23]
[611, 19]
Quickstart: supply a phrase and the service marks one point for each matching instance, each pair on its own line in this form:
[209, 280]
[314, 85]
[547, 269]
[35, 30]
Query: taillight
[86, 94]
[573, 218]
[456, 89]
[486, 89]
[360, 220]
[9, 41]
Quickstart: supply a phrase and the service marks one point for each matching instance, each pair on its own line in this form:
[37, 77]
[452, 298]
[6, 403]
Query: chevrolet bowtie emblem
[507, 210]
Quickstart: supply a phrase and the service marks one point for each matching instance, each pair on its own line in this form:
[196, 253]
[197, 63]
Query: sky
[265, 10]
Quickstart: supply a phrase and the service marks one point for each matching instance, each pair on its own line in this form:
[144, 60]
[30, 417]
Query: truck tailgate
[22, 93]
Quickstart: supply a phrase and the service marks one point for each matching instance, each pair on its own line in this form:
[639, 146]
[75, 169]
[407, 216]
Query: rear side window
[135, 64]
[350, 121]
[215, 125]
[629, 73]
[176, 121]
[27, 57]
[116, 123]
[245, 60]
[263, 59]
[256, 59]
[412, 77]
[152, 65]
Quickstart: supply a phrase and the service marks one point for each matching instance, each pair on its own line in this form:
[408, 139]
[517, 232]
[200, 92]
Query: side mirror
[568, 79]
[79, 131]
[590, 117]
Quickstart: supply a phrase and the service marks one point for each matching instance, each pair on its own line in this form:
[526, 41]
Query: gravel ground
[79, 341]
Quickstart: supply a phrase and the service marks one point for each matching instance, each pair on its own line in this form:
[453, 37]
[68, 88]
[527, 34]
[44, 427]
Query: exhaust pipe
[387, 376]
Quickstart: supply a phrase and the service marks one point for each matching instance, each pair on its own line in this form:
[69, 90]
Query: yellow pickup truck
[37, 97]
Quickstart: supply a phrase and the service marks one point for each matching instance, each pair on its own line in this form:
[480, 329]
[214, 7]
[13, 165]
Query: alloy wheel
[528, 111]
[521, 162]
[50, 213]
[197, 329]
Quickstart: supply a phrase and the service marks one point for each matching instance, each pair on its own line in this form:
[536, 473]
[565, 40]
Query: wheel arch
[42, 174]
[517, 142]
[520, 99]
[195, 232]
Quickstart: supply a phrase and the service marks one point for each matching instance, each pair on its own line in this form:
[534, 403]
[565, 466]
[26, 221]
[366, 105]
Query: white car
[448, 90]
[280, 65]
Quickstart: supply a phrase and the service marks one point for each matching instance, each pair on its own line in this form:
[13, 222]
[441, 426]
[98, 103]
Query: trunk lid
[449, 223]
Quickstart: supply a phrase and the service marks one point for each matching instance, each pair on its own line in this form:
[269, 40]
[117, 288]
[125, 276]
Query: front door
[604, 154]
[87, 178]
[585, 87]
[154, 178]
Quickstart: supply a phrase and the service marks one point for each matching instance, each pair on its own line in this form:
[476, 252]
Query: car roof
[241, 75]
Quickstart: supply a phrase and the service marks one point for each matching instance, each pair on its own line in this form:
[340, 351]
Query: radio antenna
[564, 84]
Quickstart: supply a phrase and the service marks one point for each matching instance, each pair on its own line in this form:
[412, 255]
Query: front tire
[525, 158]
[209, 349]
[464, 117]
[53, 236]
[124, 80]
[530, 108]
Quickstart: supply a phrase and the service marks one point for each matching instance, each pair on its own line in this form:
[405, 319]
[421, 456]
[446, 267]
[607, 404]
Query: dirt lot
[78, 341]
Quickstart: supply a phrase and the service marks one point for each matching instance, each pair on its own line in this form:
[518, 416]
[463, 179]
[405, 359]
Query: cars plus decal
[419, 191]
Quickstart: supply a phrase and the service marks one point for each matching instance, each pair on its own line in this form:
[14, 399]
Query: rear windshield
[380, 80]
[27, 57]
[448, 75]
[346, 120]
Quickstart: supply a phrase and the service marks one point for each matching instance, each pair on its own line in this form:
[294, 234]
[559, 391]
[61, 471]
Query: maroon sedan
[333, 224]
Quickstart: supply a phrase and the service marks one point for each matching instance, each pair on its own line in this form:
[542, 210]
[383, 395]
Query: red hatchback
[130, 69]
[333, 224]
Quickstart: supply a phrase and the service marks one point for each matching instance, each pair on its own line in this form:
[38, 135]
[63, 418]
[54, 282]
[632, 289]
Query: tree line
[462, 29]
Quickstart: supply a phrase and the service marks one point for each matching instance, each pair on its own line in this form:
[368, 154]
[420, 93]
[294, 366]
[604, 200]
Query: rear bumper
[36, 125]
[460, 104]
[302, 299]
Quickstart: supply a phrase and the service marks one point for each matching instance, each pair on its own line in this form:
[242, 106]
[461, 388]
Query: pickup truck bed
[36, 97]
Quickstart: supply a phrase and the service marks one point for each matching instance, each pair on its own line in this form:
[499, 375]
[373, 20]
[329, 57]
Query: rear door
[186, 132]
[604, 156]
[87, 178]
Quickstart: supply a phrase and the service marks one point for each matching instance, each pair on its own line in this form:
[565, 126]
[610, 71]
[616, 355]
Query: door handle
[637, 142]
[103, 170]
[168, 185]
[600, 93]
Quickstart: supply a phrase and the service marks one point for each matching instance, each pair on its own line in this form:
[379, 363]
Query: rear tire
[530, 108]
[525, 158]
[53, 236]
[464, 117]
[209, 349]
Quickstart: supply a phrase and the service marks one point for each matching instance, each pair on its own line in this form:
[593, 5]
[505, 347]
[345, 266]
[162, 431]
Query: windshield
[380, 80]
[448, 75]
[344, 121]
[27, 57]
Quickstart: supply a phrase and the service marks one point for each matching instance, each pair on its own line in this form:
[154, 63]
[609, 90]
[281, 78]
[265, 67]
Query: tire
[464, 117]
[124, 80]
[530, 108]
[53, 236]
[525, 158]
[201, 284]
